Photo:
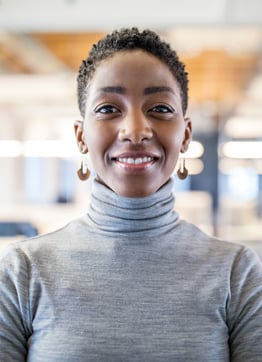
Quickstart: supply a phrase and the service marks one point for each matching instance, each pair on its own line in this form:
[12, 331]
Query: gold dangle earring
[83, 172]
[182, 171]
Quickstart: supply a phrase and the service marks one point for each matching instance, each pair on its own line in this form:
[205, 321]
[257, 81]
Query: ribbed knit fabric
[148, 216]
[129, 281]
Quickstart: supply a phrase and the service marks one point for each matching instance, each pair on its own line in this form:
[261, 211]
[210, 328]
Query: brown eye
[161, 108]
[106, 109]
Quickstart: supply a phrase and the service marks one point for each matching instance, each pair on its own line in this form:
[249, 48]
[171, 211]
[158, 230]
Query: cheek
[173, 142]
[98, 142]
[172, 133]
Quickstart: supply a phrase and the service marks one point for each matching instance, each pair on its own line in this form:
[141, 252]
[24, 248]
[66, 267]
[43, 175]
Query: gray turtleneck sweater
[127, 282]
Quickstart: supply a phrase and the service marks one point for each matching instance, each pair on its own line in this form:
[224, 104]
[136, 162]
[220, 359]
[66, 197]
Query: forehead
[133, 66]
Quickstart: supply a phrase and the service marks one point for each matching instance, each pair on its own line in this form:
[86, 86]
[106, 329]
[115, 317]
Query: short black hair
[130, 39]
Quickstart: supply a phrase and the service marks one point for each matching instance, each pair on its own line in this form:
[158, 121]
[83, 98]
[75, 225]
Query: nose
[135, 128]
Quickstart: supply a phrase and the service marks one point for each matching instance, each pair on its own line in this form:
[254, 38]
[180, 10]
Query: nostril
[135, 134]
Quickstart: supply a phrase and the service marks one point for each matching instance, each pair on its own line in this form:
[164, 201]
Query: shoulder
[215, 249]
[46, 244]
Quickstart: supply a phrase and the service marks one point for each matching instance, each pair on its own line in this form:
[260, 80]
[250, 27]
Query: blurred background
[41, 46]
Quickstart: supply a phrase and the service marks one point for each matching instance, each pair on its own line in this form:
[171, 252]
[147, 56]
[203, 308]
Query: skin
[134, 128]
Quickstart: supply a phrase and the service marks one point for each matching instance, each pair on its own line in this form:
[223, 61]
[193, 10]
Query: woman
[130, 281]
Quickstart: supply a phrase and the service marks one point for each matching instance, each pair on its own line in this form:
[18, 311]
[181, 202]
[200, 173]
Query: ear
[79, 127]
[187, 135]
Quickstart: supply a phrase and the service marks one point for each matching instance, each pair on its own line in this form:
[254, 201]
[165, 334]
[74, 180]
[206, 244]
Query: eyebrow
[147, 90]
[113, 89]
[152, 90]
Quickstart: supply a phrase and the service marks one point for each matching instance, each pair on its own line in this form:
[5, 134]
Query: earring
[182, 171]
[83, 172]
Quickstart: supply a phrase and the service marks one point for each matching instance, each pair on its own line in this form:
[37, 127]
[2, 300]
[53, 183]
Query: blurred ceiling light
[242, 149]
[65, 148]
[250, 108]
[244, 127]
[194, 166]
[255, 88]
[195, 150]
[232, 39]
[25, 88]
[49, 148]
[10, 148]
[258, 166]
[227, 166]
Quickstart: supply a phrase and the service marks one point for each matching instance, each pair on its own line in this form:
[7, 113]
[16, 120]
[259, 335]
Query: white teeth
[135, 161]
[138, 160]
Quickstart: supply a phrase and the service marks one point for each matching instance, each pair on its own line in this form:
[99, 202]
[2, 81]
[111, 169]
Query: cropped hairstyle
[130, 39]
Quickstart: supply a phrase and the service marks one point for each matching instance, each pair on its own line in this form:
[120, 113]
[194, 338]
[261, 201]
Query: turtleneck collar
[118, 215]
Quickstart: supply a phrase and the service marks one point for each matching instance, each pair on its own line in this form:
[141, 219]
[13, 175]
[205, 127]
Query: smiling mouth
[135, 162]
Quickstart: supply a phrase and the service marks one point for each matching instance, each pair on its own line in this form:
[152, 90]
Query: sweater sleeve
[245, 308]
[14, 306]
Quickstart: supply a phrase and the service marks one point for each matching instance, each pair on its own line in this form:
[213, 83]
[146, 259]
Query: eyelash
[110, 109]
[167, 109]
[106, 107]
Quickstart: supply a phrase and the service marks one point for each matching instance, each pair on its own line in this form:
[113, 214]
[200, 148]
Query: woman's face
[134, 127]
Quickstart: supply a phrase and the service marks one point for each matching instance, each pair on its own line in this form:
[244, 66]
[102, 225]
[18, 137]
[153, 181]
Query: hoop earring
[182, 172]
[83, 173]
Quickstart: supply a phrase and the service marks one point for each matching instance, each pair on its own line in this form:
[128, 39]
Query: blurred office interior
[41, 46]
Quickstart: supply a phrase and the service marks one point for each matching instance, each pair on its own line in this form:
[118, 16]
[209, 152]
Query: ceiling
[42, 44]
[88, 15]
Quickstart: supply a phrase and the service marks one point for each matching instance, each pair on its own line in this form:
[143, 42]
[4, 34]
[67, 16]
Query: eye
[106, 109]
[162, 108]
